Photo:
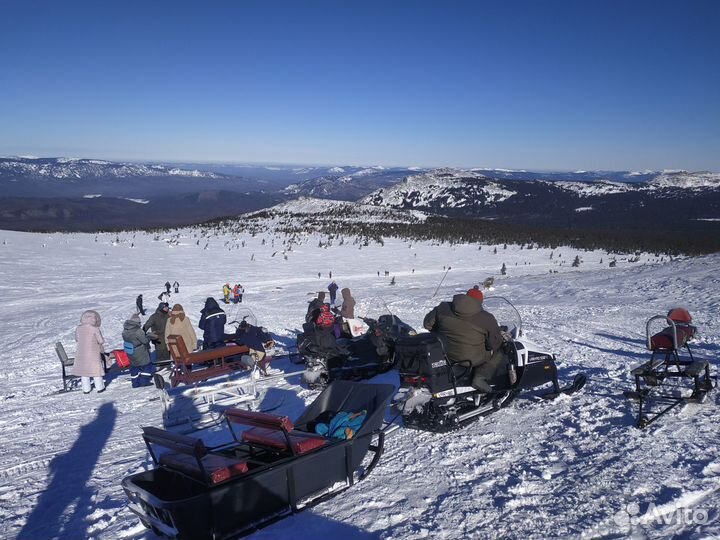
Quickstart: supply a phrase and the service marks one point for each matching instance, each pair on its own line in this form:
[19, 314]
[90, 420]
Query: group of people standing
[326, 315]
[237, 292]
[164, 296]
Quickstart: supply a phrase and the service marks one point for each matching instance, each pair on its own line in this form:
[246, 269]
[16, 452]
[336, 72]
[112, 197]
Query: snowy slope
[575, 468]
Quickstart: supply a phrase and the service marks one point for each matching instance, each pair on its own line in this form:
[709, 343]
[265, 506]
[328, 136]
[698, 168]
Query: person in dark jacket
[137, 345]
[212, 323]
[332, 288]
[176, 287]
[167, 287]
[470, 333]
[139, 305]
[156, 324]
[257, 340]
[314, 307]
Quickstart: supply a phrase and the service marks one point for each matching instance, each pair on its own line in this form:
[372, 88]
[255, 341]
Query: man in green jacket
[471, 334]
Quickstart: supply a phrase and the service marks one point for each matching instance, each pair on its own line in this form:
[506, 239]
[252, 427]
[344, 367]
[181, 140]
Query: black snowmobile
[436, 394]
[367, 348]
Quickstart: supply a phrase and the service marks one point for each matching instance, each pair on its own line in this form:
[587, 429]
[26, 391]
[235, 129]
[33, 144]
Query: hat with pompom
[476, 294]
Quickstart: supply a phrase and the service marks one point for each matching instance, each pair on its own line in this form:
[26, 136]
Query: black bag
[419, 355]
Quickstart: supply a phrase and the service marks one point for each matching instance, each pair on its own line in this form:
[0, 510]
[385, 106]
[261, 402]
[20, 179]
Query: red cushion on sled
[258, 419]
[276, 440]
[217, 468]
[680, 315]
[664, 339]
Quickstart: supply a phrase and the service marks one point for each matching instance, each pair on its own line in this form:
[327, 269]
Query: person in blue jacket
[212, 323]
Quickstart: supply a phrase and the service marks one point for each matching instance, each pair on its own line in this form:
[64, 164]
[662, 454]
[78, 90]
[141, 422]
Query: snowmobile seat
[70, 381]
[672, 337]
[272, 432]
[190, 456]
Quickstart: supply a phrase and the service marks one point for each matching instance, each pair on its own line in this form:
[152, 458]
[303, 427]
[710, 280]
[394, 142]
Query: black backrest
[66, 361]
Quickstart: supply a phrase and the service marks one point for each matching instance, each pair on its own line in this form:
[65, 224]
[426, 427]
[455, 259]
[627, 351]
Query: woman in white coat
[88, 357]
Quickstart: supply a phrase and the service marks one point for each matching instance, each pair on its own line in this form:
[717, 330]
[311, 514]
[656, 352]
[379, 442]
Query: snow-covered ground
[572, 468]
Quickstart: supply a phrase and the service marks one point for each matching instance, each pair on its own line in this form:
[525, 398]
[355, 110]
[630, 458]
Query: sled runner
[273, 468]
[692, 376]
[187, 409]
[436, 394]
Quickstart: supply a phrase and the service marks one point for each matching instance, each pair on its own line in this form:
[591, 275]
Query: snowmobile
[436, 394]
[270, 468]
[367, 349]
[665, 364]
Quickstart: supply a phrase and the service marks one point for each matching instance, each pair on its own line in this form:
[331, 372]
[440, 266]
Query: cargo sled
[436, 394]
[691, 375]
[272, 468]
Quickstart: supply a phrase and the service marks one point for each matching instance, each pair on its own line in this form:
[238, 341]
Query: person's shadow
[70, 474]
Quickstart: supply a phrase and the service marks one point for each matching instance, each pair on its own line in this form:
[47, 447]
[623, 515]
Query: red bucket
[122, 360]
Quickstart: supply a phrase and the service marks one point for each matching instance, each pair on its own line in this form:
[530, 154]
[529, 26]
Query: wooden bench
[70, 381]
[191, 457]
[274, 433]
[200, 366]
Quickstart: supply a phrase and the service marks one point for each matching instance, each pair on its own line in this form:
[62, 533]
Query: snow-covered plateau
[575, 467]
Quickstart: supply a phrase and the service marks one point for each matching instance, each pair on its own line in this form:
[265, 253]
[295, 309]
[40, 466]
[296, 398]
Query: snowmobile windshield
[237, 314]
[505, 313]
[376, 311]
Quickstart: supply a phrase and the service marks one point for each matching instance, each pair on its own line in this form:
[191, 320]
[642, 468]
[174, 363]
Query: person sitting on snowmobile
[257, 340]
[212, 323]
[314, 307]
[470, 334]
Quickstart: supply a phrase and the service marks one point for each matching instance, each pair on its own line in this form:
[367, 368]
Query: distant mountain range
[88, 194]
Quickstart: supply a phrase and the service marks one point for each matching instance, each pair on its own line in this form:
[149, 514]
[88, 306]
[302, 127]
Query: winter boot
[479, 383]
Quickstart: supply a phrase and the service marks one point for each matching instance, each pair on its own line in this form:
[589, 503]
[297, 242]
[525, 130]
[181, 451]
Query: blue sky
[519, 84]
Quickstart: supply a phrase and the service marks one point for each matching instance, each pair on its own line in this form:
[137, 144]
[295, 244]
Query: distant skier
[226, 293]
[176, 286]
[167, 287]
[164, 297]
[332, 288]
[139, 305]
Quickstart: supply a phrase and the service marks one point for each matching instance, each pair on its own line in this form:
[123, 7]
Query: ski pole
[441, 281]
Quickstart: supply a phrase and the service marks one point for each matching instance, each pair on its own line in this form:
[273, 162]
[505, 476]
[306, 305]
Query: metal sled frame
[665, 363]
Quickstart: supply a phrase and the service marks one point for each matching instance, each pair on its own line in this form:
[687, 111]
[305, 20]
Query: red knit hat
[476, 294]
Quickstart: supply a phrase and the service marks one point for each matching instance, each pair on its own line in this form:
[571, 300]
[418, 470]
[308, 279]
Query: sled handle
[671, 324]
